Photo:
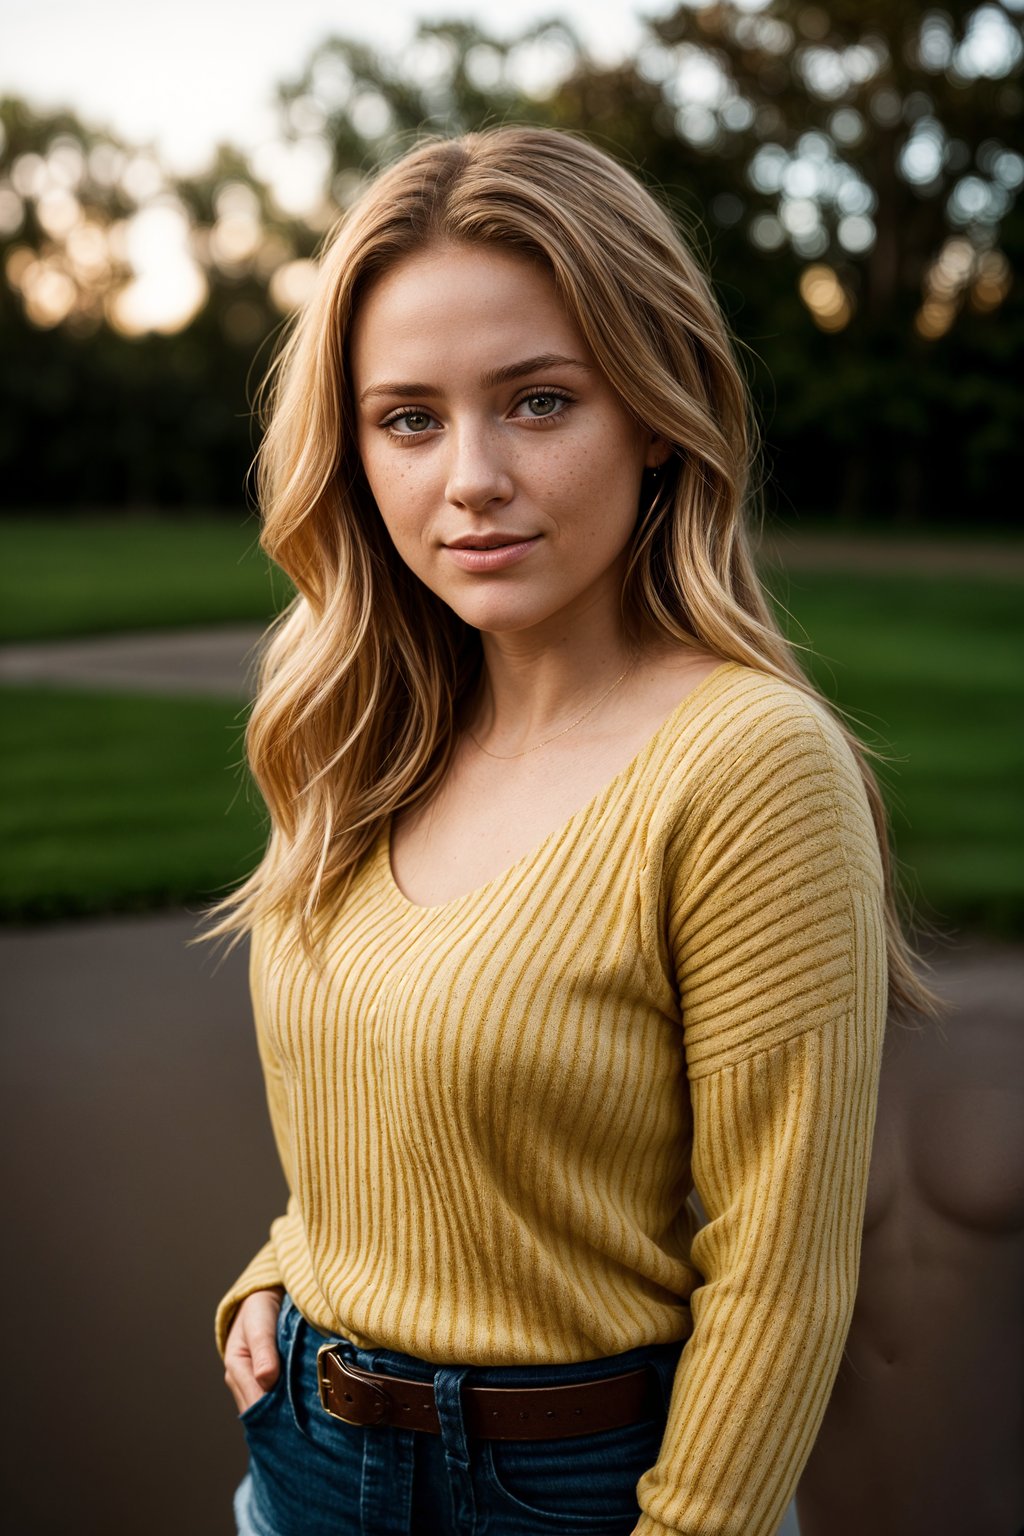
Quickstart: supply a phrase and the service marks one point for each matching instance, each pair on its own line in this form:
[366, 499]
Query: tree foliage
[849, 174]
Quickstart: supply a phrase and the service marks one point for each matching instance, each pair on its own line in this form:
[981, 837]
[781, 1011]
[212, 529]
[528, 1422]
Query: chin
[499, 618]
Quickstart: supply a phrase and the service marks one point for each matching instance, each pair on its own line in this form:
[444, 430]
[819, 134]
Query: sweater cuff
[262, 1274]
[648, 1526]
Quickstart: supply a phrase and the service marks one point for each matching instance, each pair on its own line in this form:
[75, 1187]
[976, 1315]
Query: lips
[489, 540]
[472, 554]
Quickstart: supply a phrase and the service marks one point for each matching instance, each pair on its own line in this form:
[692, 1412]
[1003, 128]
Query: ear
[659, 450]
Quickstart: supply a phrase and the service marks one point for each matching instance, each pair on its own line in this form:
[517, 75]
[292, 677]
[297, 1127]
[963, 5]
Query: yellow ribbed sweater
[491, 1112]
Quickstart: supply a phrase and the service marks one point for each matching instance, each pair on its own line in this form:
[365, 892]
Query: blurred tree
[901, 116]
[132, 306]
[881, 150]
[849, 173]
[851, 176]
[453, 78]
[63, 197]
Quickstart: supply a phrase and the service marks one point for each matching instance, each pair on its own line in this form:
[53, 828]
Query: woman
[576, 900]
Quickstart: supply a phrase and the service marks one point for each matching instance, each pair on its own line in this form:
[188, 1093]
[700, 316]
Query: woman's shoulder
[764, 763]
[748, 711]
[750, 736]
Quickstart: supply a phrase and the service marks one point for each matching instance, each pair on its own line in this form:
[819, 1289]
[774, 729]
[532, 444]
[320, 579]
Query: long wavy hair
[364, 676]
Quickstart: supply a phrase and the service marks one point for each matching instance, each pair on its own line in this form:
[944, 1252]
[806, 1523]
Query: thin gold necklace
[506, 756]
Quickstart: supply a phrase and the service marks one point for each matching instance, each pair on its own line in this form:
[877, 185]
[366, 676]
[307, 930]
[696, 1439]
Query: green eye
[541, 405]
[415, 421]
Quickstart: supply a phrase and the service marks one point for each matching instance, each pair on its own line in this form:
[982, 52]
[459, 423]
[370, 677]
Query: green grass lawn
[112, 802]
[930, 667]
[64, 576]
[115, 802]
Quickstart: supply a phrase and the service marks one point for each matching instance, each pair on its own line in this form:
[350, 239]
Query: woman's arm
[775, 925]
[262, 1273]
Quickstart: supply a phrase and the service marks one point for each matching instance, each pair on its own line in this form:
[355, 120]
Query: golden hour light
[992, 283]
[234, 240]
[58, 211]
[168, 287]
[28, 174]
[88, 251]
[829, 303]
[943, 283]
[291, 285]
[717, 318]
[934, 318]
[49, 294]
[49, 291]
[959, 269]
[951, 270]
[295, 172]
[12, 210]
[19, 259]
[274, 251]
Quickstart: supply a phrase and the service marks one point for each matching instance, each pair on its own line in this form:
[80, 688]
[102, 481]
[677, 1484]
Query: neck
[530, 690]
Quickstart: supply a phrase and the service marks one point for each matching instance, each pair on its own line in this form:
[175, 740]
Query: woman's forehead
[471, 306]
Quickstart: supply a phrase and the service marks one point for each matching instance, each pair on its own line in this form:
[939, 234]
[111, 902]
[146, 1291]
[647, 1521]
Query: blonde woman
[576, 900]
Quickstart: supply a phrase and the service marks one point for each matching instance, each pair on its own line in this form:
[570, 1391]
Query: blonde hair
[364, 675]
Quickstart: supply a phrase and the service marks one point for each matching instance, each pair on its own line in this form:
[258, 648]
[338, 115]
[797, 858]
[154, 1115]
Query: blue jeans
[311, 1475]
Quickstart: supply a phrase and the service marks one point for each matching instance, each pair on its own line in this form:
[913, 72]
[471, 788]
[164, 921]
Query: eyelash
[405, 438]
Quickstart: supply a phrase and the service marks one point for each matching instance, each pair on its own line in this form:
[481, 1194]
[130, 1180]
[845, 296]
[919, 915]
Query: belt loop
[448, 1397]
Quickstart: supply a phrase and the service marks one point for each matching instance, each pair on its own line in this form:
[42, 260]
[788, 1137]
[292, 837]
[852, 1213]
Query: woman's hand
[251, 1360]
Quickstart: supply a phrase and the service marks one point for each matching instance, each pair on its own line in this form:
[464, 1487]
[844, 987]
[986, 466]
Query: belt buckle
[329, 1394]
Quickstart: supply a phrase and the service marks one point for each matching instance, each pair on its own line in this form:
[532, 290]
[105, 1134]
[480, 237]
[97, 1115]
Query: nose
[477, 476]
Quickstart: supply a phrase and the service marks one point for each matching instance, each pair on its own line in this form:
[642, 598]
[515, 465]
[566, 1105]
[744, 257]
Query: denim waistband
[394, 1363]
[305, 1466]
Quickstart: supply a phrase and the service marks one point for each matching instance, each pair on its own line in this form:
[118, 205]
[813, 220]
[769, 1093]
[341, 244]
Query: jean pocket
[300, 1347]
[579, 1481]
[257, 1410]
[260, 1409]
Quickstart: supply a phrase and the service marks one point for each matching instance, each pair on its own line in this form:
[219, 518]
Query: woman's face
[483, 420]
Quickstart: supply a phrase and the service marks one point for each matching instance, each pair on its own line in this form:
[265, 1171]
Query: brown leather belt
[493, 1413]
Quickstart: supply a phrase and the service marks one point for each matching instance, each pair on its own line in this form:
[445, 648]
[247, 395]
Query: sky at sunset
[185, 73]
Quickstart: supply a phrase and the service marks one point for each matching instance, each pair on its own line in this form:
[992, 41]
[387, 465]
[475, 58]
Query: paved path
[211, 662]
[796, 551]
[143, 1176]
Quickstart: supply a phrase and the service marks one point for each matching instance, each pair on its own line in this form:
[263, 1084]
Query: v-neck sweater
[492, 1113]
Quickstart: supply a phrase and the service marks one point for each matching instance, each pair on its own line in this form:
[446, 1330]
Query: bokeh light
[296, 173]
[991, 48]
[168, 286]
[12, 210]
[829, 303]
[291, 285]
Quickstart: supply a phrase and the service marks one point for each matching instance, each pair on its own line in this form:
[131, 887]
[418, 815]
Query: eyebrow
[506, 375]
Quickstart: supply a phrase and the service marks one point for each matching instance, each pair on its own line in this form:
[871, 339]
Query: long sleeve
[263, 1272]
[775, 929]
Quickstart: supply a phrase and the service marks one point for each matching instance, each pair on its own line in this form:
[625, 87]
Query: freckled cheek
[412, 522]
[583, 491]
[401, 499]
